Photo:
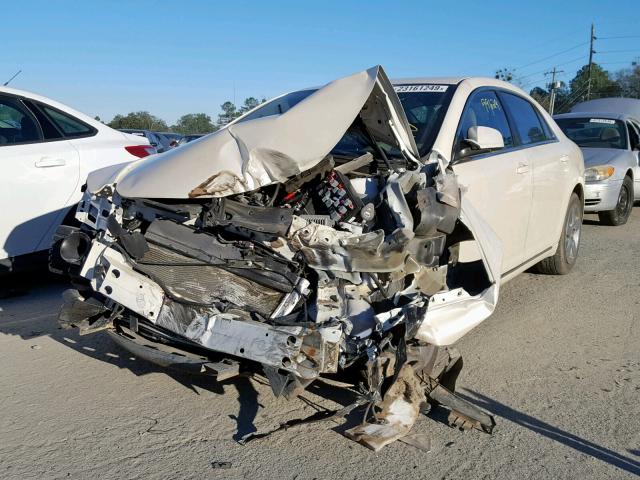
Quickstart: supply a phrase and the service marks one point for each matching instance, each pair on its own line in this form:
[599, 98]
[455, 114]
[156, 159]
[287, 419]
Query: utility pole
[553, 86]
[591, 52]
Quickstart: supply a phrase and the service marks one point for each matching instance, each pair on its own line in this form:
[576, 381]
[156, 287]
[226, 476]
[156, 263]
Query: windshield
[424, 105]
[593, 132]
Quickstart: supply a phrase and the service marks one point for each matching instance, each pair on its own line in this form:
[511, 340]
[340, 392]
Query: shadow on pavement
[580, 444]
[28, 309]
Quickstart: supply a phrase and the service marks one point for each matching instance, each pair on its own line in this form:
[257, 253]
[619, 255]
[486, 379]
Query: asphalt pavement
[558, 364]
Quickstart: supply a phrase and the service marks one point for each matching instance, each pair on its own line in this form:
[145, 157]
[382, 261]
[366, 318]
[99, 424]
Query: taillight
[140, 151]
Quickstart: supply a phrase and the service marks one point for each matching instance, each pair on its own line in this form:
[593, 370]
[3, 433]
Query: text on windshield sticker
[420, 88]
[602, 120]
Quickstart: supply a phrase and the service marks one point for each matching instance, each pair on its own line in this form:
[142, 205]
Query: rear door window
[17, 125]
[49, 130]
[525, 120]
[68, 125]
[485, 110]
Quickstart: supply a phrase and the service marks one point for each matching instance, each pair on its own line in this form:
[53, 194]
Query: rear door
[551, 174]
[497, 183]
[38, 175]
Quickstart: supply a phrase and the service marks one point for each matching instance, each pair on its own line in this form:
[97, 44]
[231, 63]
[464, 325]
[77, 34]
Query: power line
[618, 51]
[551, 56]
[618, 37]
[628, 62]
[573, 97]
[531, 74]
[581, 57]
[531, 82]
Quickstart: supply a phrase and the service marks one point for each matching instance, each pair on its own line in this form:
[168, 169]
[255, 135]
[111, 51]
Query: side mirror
[484, 138]
[481, 140]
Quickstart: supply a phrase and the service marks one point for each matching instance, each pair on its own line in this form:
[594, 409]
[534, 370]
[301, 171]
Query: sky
[176, 57]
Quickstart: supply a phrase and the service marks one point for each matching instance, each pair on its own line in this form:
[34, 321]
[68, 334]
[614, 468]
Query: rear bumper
[601, 196]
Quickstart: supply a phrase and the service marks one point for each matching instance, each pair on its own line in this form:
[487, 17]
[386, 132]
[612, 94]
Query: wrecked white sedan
[358, 226]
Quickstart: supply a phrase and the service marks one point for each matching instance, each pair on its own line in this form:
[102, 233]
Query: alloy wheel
[572, 232]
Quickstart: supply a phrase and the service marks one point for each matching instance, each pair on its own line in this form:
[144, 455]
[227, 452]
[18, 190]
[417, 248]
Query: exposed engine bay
[300, 267]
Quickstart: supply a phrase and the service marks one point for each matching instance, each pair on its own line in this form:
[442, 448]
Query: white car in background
[46, 151]
[608, 132]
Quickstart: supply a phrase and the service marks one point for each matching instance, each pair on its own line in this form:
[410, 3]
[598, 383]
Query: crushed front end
[353, 263]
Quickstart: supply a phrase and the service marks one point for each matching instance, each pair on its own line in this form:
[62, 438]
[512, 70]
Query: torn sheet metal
[453, 313]
[252, 154]
[267, 246]
[400, 408]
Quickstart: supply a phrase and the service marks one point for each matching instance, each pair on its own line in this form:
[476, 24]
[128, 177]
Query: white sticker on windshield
[420, 88]
[602, 120]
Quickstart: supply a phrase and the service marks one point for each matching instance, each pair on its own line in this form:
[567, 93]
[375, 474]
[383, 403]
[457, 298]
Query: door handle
[522, 168]
[46, 162]
[564, 158]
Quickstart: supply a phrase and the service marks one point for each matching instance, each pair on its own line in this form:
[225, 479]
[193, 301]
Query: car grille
[591, 202]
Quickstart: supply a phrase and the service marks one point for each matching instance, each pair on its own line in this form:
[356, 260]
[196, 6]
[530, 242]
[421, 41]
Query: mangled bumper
[180, 274]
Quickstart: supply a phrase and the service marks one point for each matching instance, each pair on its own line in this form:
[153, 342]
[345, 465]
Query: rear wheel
[567, 253]
[620, 214]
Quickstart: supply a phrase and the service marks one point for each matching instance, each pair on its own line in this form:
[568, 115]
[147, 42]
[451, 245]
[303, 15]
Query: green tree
[194, 123]
[629, 81]
[602, 85]
[249, 104]
[229, 112]
[541, 96]
[139, 120]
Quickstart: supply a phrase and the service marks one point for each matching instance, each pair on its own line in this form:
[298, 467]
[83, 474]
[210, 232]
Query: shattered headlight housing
[596, 174]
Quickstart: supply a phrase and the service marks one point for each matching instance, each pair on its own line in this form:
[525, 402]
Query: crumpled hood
[601, 156]
[248, 155]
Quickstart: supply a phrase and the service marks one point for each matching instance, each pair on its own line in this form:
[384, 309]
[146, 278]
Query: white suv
[46, 152]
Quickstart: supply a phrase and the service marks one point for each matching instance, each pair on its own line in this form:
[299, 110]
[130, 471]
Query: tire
[56, 264]
[620, 214]
[566, 255]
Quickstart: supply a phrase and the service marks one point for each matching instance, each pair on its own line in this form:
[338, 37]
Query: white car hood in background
[248, 155]
[594, 157]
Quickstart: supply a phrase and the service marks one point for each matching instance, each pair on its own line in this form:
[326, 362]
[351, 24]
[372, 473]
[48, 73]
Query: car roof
[472, 82]
[607, 115]
[60, 106]
[427, 80]
[629, 106]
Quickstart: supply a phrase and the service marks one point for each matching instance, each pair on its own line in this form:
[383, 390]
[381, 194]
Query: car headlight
[595, 174]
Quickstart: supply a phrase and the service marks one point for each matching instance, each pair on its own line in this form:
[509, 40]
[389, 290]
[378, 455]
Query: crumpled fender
[453, 314]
